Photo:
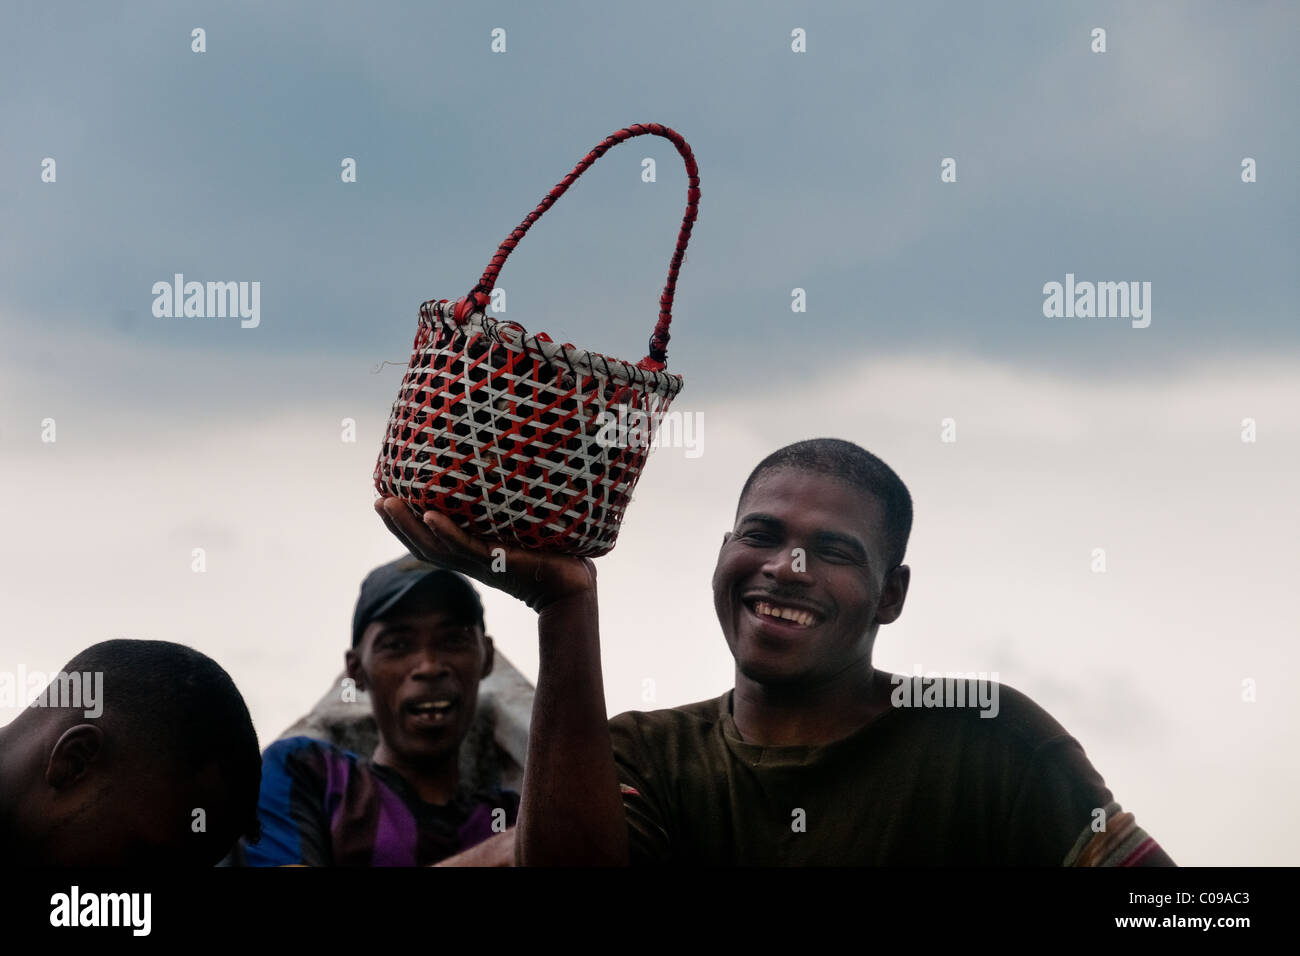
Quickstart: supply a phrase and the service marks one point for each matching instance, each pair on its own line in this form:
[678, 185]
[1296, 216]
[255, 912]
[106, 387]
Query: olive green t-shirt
[914, 786]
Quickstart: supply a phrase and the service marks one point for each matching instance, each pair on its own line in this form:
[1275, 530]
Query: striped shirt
[324, 806]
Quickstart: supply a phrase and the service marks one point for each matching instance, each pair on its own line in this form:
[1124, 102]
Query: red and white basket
[507, 433]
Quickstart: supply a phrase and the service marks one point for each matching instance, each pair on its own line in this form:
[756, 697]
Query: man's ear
[352, 663]
[893, 594]
[490, 657]
[73, 753]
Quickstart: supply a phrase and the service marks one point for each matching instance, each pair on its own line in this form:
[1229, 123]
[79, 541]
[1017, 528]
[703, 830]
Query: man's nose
[430, 663]
[780, 567]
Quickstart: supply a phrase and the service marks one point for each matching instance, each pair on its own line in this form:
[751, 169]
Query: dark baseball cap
[387, 584]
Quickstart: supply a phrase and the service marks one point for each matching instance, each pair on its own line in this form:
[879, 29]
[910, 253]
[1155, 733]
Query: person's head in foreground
[420, 650]
[813, 565]
[164, 770]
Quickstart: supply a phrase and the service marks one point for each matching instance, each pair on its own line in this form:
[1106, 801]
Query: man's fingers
[419, 539]
[438, 540]
[432, 543]
[456, 539]
[484, 552]
[461, 551]
[392, 526]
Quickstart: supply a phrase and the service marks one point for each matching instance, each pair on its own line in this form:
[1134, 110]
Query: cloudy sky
[820, 171]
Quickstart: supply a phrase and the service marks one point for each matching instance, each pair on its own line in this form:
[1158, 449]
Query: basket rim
[511, 335]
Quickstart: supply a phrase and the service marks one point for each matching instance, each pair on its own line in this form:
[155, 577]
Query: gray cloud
[820, 171]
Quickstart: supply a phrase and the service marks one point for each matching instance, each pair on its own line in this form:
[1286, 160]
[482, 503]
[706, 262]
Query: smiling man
[809, 759]
[420, 650]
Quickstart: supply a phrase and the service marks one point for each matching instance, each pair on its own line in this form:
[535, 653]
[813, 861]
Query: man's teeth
[802, 618]
[432, 705]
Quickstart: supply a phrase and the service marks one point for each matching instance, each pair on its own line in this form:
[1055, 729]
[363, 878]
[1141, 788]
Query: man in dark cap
[419, 649]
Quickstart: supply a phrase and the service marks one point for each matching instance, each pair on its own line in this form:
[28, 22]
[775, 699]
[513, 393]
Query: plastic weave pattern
[517, 438]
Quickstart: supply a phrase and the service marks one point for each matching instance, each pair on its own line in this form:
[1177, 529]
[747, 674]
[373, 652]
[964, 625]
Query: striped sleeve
[1064, 815]
[1118, 842]
[290, 807]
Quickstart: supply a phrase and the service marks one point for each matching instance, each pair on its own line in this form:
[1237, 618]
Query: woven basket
[509, 433]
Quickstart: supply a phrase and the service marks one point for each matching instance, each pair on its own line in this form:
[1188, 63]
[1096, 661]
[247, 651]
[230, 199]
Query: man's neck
[434, 781]
[787, 716]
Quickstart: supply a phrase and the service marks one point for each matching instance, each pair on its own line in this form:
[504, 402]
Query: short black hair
[856, 467]
[181, 708]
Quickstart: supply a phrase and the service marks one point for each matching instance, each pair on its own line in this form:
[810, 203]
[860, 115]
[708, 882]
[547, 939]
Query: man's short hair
[179, 707]
[856, 467]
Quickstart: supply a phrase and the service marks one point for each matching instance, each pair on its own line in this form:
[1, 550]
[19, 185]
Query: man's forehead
[814, 500]
[811, 492]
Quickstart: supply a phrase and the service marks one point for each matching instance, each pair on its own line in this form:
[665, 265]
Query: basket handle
[657, 358]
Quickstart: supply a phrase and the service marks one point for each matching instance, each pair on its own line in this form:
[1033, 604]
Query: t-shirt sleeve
[641, 787]
[1063, 814]
[290, 807]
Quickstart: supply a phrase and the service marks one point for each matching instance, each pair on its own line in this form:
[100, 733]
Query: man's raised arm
[572, 813]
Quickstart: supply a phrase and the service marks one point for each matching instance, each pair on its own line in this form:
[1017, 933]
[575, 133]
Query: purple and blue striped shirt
[323, 806]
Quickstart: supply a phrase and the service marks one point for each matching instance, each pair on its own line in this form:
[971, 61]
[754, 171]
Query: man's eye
[841, 556]
[395, 644]
[758, 537]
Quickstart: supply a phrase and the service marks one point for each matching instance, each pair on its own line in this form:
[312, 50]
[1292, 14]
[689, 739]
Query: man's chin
[771, 673]
[418, 748]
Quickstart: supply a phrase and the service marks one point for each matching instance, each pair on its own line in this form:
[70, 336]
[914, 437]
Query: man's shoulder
[1026, 718]
[982, 706]
[1020, 716]
[312, 750]
[695, 719]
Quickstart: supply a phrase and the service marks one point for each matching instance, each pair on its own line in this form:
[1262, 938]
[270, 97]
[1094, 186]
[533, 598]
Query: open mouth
[432, 711]
[782, 615]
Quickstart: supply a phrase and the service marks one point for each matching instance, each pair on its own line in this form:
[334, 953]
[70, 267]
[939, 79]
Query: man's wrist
[573, 602]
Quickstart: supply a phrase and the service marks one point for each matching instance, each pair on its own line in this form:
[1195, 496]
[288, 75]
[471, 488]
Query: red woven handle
[656, 360]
